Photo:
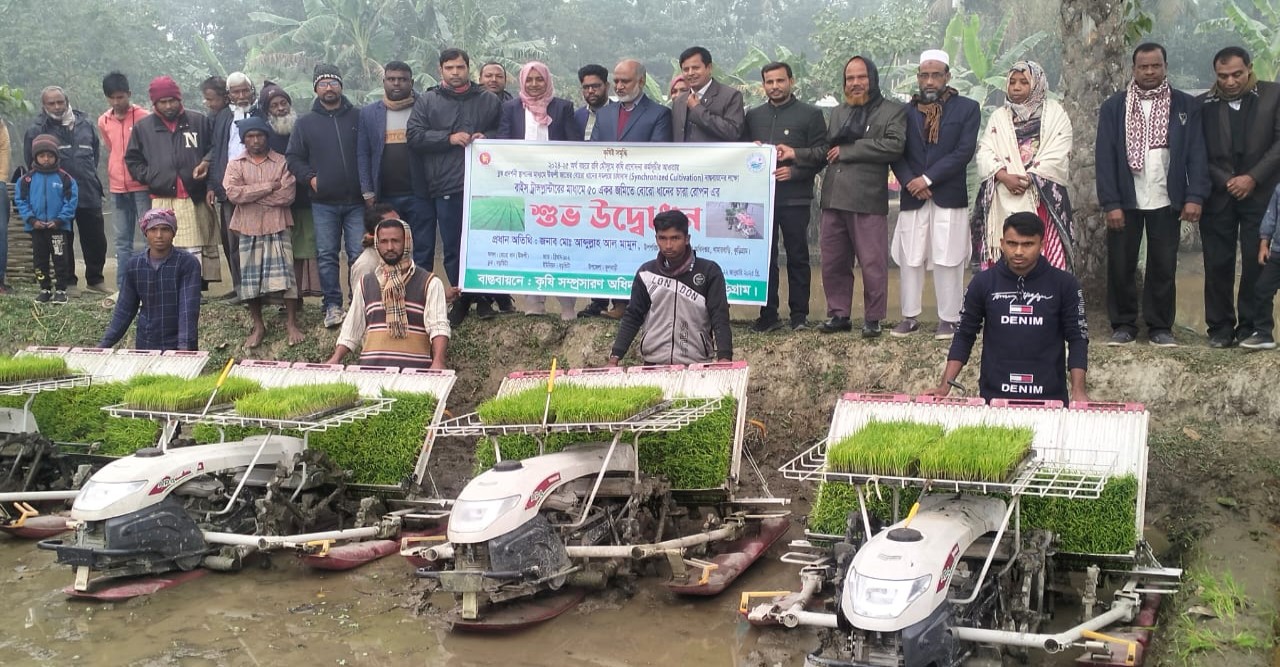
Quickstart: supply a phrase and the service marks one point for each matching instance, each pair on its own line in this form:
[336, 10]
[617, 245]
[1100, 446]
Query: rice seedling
[180, 395]
[76, 415]
[695, 457]
[381, 449]
[570, 404]
[977, 453]
[1105, 525]
[883, 448]
[14, 370]
[298, 401]
[830, 511]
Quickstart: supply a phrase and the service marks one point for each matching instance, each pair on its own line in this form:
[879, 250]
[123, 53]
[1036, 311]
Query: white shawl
[998, 149]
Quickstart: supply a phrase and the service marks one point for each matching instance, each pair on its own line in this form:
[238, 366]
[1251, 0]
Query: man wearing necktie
[710, 111]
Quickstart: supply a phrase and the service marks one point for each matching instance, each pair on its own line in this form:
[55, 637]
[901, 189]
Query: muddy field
[1215, 470]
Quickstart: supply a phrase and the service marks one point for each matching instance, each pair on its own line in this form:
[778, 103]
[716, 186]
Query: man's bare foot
[295, 335]
[255, 337]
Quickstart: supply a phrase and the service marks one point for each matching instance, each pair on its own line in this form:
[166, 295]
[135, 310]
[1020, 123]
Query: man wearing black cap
[260, 186]
[322, 154]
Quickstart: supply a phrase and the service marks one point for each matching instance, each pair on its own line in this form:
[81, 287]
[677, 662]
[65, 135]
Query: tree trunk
[1093, 56]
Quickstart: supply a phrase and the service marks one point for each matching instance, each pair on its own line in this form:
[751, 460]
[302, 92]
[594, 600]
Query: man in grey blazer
[710, 111]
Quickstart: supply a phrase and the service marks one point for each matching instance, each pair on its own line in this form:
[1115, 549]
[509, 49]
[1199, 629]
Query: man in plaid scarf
[397, 316]
[1151, 172]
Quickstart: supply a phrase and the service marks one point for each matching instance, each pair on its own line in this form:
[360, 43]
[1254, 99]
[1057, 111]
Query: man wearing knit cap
[78, 155]
[322, 154]
[933, 225]
[169, 153]
[227, 147]
[161, 288]
[444, 121]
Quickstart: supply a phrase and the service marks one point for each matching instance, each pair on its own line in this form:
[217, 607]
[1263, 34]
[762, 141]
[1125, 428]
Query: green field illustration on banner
[585, 284]
[497, 214]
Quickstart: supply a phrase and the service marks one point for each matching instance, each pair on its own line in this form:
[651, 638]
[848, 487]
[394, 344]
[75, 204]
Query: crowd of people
[283, 196]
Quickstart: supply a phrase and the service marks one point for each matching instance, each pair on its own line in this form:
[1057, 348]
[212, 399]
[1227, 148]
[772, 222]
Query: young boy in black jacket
[1032, 320]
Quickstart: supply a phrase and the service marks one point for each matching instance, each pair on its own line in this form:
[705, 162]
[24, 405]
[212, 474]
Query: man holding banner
[680, 301]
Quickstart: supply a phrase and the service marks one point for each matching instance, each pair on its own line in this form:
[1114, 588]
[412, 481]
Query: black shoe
[836, 324]
[45, 296]
[1222, 341]
[799, 323]
[1259, 341]
[506, 305]
[762, 325]
[1162, 339]
[592, 310]
[484, 309]
[871, 329]
[1121, 337]
[458, 312]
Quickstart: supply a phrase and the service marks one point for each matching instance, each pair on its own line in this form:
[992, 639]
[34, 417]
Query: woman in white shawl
[1023, 160]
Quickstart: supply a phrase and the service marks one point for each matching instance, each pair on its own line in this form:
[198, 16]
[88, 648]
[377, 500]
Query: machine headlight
[886, 598]
[473, 516]
[99, 495]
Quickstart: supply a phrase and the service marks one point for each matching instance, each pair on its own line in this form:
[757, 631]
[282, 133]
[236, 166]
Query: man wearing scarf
[397, 316]
[387, 168]
[865, 135]
[933, 225]
[1150, 171]
[322, 154]
[444, 121]
[169, 151]
[680, 301]
[1242, 138]
[536, 114]
[78, 154]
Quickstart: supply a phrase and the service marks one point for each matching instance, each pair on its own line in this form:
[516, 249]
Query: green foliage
[76, 415]
[570, 404]
[174, 394]
[15, 370]
[979, 453]
[892, 35]
[1106, 525]
[298, 401]
[14, 103]
[883, 448]
[831, 509]
[980, 67]
[383, 448]
[1256, 27]
[695, 457]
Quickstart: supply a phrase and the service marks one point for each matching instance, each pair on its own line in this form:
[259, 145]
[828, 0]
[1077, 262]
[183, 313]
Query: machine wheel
[188, 563]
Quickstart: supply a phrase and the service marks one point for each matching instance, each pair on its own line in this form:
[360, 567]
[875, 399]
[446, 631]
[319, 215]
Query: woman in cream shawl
[1023, 160]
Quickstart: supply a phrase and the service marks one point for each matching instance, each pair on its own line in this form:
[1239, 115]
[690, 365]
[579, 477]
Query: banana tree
[1257, 29]
[979, 67]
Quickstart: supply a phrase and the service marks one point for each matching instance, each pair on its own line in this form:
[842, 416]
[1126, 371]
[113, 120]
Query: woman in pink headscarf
[678, 86]
[536, 114]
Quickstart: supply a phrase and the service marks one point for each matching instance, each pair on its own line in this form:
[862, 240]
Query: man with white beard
[227, 147]
[278, 107]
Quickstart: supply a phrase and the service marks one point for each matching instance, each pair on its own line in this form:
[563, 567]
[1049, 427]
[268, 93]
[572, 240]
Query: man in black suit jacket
[1241, 118]
[710, 111]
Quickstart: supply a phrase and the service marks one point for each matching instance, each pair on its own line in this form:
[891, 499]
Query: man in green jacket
[865, 135]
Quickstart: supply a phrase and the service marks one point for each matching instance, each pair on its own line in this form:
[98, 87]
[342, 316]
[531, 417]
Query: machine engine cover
[534, 543]
[160, 532]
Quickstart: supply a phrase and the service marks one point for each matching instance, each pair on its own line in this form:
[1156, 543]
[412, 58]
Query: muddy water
[288, 615]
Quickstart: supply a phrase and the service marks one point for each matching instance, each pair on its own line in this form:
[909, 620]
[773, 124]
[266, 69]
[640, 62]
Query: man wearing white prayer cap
[933, 228]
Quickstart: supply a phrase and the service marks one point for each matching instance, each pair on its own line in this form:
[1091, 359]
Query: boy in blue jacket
[46, 199]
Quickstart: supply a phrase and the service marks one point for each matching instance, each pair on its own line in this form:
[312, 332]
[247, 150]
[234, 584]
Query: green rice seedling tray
[18, 370]
[300, 402]
[76, 416]
[977, 453]
[570, 404]
[695, 456]
[378, 450]
[884, 448]
[174, 395]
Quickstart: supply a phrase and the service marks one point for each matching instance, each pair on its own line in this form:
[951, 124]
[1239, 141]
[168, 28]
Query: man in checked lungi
[262, 188]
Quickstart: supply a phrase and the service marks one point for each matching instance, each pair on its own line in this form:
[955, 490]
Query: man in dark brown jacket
[1241, 120]
[865, 135]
